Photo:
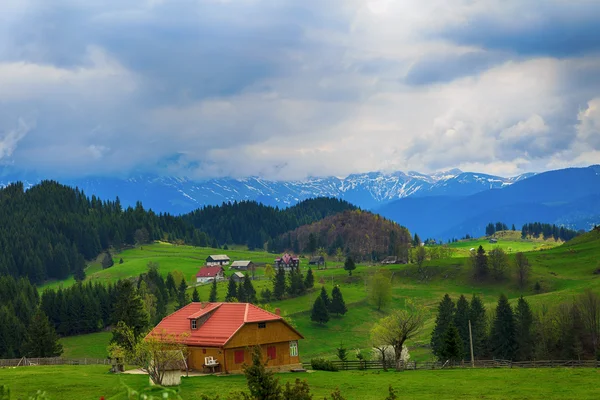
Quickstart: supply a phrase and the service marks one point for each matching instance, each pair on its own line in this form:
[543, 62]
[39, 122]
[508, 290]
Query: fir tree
[249, 289]
[79, 273]
[195, 296]
[445, 316]
[319, 311]
[107, 260]
[170, 284]
[262, 383]
[523, 330]
[453, 348]
[129, 308]
[325, 297]
[480, 263]
[241, 293]
[279, 286]
[212, 297]
[478, 326]
[461, 321]
[231, 291]
[337, 306]
[349, 265]
[502, 335]
[42, 340]
[182, 297]
[296, 283]
[309, 281]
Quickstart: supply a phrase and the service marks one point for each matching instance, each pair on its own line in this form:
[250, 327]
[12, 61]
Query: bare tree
[398, 327]
[498, 263]
[589, 307]
[523, 268]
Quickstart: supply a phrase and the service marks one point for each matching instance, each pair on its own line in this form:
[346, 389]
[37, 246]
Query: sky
[292, 89]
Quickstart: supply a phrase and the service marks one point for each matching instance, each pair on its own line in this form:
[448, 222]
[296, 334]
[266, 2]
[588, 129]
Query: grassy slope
[93, 381]
[509, 241]
[562, 271]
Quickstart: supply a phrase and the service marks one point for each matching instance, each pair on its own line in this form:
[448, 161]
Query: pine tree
[325, 297]
[262, 383]
[249, 289]
[212, 297]
[129, 308]
[502, 335]
[478, 326]
[319, 311]
[231, 291]
[195, 296]
[480, 263]
[309, 281]
[182, 297]
[107, 260]
[42, 340]
[446, 311]
[461, 321]
[513, 228]
[453, 348]
[337, 306]
[170, 284]
[279, 286]
[241, 293]
[523, 330]
[349, 265]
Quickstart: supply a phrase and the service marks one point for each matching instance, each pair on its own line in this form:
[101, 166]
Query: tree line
[492, 228]
[547, 231]
[49, 230]
[569, 331]
[254, 224]
[496, 265]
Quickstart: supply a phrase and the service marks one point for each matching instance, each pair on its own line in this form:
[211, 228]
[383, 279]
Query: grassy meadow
[91, 382]
[562, 272]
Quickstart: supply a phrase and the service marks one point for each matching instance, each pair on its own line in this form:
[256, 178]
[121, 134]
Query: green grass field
[91, 382]
[509, 241]
[562, 271]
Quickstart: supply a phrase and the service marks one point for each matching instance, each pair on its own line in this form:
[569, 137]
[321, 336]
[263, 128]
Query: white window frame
[294, 348]
[194, 324]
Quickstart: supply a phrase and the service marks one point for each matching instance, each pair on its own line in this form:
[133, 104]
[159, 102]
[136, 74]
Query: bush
[320, 364]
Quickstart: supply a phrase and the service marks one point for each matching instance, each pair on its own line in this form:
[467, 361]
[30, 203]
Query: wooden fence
[429, 365]
[26, 362]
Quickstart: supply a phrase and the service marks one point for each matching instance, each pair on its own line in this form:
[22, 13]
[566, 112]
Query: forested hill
[360, 234]
[254, 224]
[49, 230]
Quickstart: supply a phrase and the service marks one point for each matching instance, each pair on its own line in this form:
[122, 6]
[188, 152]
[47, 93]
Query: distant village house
[219, 259]
[242, 265]
[318, 261]
[287, 262]
[209, 274]
[220, 336]
[390, 260]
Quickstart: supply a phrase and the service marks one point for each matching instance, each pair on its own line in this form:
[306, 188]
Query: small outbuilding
[237, 277]
[493, 240]
[209, 274]
[318, 261]
[242, 265]
[390, 260]
[217, 259]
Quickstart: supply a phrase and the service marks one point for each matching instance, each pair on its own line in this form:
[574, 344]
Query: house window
[262, 325]
[294, 348]
[271, 352]
[194, 324]
[239, 356]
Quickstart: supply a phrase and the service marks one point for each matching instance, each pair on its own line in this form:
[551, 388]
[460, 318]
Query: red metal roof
[209, 272]
[224, 321]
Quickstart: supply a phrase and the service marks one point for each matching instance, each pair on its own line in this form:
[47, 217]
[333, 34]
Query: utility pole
[471, 342]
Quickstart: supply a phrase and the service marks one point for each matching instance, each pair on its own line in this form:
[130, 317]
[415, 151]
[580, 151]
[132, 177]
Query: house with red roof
[287, 262]
[209, 274]
[221, 336]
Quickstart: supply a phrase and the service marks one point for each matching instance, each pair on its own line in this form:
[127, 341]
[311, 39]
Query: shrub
[320, 364]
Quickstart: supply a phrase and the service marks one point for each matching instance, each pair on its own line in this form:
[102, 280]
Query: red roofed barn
[226, 332]
[208, 274]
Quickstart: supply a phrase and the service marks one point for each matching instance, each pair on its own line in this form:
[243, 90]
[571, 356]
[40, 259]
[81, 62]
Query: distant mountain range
[368, 191]
[441, 205]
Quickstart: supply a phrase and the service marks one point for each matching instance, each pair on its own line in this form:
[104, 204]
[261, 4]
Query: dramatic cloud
[208, 88]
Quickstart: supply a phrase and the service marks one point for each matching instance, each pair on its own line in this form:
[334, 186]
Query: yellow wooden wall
[252, 335]
[283, 357]
[196, 356]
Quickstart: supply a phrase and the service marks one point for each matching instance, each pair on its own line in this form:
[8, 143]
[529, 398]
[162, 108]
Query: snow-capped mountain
[370, 190]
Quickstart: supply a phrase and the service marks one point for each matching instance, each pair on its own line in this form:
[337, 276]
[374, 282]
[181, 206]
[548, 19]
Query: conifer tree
[478, 326]
[249, 289]
[241, 293]
[502, 336]
[212, 297]
[523, 330]
[309, 281]
[231, 291]
[107, 260]
[319, 311]
[337, 306]
[42, 340]
[480, 263]
[279, 286]
[461, 321]
[129, 308]
[171, 285]
[182, 297]
[262, 383]
[195, 295]
[453, 348]
[325, 297]
[349, 265]
[445, 316]
[296, 283]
